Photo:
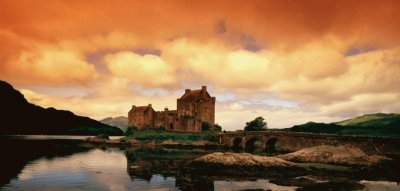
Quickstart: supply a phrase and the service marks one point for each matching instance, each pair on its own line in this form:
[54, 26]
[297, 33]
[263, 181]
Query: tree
[257, 124]
[130, 130]
[218, 127]
[205, 126]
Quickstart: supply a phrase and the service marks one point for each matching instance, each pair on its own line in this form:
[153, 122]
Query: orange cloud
[147, 70]
[50, 65]
[277, 23]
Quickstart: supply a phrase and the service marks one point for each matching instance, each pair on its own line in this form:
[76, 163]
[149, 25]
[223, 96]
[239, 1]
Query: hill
[313, 127]
[18, 116]
[379, 124]
[381, 120]
[120, 122]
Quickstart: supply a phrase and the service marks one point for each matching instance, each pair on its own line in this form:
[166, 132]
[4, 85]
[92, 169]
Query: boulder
[341, 155]
[228, 159]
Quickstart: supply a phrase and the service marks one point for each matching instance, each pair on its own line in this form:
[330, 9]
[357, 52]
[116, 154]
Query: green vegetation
[257, 124]
[130, 130]
[103, 136]
[218, 127]
[369, 125]
[373, 120]
[162, 127]
[205, 126]
[160, 135]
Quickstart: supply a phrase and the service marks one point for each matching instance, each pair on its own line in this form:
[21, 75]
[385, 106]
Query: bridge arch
[237, 143]
[272, 145]
[254, 143]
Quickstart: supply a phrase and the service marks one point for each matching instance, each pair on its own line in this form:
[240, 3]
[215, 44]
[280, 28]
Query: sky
[289, 61]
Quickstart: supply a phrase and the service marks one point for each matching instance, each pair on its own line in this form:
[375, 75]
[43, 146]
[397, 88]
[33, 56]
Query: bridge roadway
[293, 141]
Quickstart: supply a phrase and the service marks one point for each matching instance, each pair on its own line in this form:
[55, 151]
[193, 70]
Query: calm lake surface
[66, 163]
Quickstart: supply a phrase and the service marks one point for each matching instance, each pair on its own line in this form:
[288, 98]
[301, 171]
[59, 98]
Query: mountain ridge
[21, 117]
[119, 121]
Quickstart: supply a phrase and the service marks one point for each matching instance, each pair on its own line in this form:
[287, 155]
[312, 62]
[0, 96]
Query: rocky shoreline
[336, 155]
[133, 142]
[228, 159]
[328, 158]
[315, 168]
[329, 170]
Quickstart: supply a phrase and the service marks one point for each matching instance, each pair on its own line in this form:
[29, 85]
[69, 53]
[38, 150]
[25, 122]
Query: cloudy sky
[288, 61]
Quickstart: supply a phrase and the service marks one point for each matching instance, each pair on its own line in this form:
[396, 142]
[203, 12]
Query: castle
[195, 110]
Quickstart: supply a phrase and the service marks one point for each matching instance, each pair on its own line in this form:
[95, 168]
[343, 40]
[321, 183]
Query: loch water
[67, 163]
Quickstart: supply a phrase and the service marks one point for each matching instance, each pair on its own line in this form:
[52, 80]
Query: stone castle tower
[194, 108]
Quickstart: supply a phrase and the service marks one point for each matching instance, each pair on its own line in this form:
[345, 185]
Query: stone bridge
[293, 141]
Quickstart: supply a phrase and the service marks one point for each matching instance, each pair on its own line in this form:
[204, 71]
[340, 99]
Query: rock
[133, 142]
[113, 142]
[116, 142]
[241, 160]
[202, 143]
[151, 143]
[96, 140]
[342, 155]
[170, 143]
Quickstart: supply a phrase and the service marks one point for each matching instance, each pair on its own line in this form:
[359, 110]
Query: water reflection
[143, 163]
[250, 185]
[18, 152]
[53, 164]
[94, 170]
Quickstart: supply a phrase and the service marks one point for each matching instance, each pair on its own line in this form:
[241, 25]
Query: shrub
[218, 127]
[130, 130]
[257, 124]
[103, 136]
[162, 128]
[159, 136]
[205, 126]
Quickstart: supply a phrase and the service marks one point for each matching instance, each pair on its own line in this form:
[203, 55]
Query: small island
[257, 151]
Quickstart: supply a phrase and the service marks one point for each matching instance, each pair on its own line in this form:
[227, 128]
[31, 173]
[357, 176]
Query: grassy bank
[163, 135]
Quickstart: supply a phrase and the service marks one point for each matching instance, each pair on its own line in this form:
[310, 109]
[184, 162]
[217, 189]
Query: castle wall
[141, 119]
[149, 119]
[193, 108]
[186, 108]
[159, 119]
[207, 111]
